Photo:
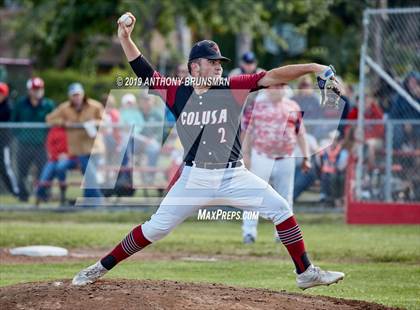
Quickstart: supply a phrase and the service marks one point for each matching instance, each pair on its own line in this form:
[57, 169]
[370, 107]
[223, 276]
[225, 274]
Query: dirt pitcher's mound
[133, 294]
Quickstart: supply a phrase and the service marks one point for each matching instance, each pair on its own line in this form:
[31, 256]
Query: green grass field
[382, 263]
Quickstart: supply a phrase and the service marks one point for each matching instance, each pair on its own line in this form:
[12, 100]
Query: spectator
[409, 161]
[401, 109]
[170, 120]
[130, 115]
[309, 101]
[152, 116]
[306, 97]
[146, 134]
[374, 133]
[181, 71]
[57, 165]
[415, 179]
[334, 161]
[304, 179]
[247, 65]
[6, 172]
[150, 139]
[349, 91]
[132, 122]
[112, 114]
[274, 127]
[347, 106]
[384, 92]
[117, 182]
[80, 115]
[111, 132]
[176, 160]
[170, 137]
[30, 147]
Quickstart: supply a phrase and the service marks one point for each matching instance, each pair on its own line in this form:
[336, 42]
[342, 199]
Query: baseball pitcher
[208, 125]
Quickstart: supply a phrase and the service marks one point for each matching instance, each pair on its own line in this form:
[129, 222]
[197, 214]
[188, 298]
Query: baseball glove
[330, 88]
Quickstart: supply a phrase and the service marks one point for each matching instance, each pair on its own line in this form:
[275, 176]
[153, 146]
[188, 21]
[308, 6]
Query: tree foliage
[66, 33]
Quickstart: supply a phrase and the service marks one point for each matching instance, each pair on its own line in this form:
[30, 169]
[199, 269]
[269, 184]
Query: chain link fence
[391, 166]
[36, 167]
[128, 173]
[387, 166]
[383, 142]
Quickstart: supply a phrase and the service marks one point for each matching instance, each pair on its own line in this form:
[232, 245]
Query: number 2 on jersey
[222, 131]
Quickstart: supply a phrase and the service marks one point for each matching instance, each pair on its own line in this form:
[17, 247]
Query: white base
[39, 250]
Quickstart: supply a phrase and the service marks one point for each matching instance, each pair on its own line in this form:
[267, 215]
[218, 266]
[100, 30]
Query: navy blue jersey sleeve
[142, 68]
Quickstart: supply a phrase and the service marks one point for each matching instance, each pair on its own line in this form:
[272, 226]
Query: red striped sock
[291, 237]
[132, 243]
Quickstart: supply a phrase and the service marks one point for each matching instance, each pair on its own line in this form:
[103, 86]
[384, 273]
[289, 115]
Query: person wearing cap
[208, 125]
[247, 65]
[30, 141]
[80, 115]
[6, 171]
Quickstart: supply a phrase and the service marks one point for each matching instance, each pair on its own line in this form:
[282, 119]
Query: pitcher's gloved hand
[330, 88]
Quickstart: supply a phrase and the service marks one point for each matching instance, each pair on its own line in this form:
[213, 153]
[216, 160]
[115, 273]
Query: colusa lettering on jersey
[198, 118]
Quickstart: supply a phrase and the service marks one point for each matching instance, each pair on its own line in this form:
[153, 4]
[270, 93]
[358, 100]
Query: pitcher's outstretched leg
[132, 243]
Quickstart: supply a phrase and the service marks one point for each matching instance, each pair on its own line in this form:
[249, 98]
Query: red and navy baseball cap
[35, 83]
[206, 49]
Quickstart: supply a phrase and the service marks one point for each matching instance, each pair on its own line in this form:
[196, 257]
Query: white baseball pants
[199, 187]
[282, 175]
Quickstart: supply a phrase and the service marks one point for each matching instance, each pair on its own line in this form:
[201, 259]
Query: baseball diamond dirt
[150, 294]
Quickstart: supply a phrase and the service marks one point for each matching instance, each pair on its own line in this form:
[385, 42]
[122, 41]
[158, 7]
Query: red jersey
[372, 112]
[56, 143]
[273, 127]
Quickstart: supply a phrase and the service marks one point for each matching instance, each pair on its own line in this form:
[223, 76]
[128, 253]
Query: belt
[279, 158]
[275, 158]
[231, 164]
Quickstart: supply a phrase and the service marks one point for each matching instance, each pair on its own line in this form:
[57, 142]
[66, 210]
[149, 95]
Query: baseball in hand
[126, 19]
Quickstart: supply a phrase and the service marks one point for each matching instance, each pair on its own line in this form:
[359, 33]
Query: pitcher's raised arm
[124, 35]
